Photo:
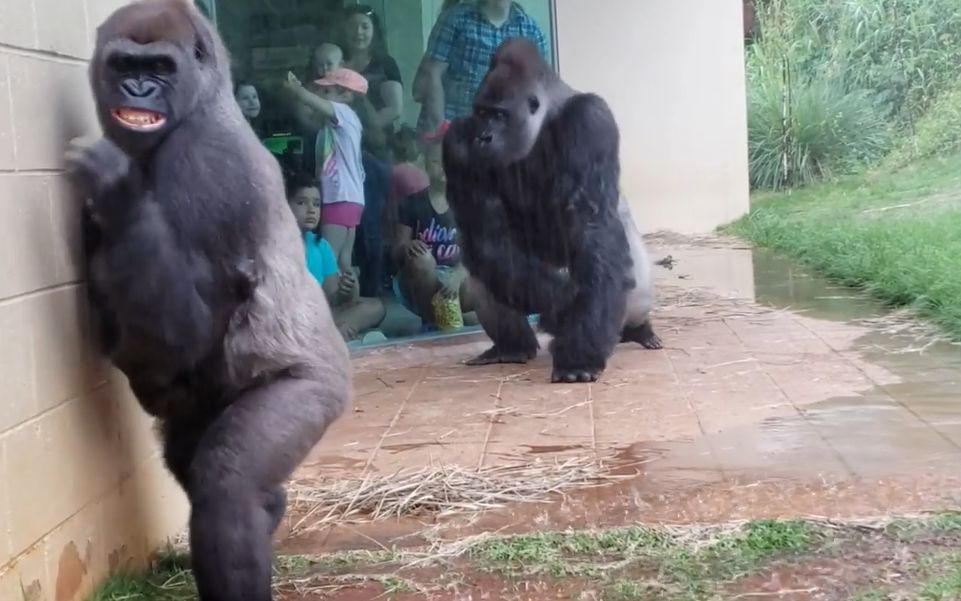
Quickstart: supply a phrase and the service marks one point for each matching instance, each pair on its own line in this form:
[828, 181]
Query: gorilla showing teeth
[533, 180]
[197, 277]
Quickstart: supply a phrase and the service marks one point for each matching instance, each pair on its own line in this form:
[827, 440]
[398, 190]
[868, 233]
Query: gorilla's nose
[139, 89]
[484, 139]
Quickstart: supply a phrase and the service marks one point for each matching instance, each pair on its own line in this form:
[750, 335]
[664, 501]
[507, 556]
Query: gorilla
[199, 286]
[532, 178]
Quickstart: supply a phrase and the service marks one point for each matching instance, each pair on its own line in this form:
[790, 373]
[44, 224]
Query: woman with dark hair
[365, 51]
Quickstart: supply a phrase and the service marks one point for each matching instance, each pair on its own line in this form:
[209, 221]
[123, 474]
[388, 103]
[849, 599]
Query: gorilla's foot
[496, 354]
[643, 334]
[576, 374]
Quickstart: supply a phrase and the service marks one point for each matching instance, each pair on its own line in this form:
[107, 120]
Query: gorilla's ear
[200, 49]
[533, 103]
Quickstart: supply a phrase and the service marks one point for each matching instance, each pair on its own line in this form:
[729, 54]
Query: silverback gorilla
[532, 178]
[197, 277]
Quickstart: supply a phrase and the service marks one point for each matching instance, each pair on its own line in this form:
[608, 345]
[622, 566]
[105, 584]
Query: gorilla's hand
[102, 173]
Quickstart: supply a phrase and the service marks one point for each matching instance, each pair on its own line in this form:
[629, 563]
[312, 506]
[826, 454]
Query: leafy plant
[830, 81]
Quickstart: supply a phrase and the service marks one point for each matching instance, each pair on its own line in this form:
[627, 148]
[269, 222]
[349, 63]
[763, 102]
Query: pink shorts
[346, 214]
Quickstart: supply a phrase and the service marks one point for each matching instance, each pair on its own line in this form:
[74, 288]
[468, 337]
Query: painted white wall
[673, 73]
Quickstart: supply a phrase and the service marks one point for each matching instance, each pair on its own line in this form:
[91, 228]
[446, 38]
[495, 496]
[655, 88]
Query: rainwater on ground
[777, 395]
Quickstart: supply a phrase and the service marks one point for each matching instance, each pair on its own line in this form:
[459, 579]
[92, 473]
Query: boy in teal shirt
[352, 313]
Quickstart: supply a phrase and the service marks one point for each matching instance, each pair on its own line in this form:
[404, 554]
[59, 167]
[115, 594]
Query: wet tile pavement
[776, 395]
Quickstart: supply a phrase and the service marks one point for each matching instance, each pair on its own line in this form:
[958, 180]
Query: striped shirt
[466, 40]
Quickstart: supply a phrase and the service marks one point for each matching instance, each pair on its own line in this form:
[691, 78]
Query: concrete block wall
[82, 488]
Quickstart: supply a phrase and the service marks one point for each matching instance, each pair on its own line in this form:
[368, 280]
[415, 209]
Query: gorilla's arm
[153, 280]
[107, 328]
[513, 276]
[581, 153]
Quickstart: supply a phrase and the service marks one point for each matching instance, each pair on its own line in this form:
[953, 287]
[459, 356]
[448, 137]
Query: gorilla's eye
[122, 63]
[534, 104]
[162, 65]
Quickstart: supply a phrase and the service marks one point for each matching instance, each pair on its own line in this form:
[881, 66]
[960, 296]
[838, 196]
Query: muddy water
[890, 448]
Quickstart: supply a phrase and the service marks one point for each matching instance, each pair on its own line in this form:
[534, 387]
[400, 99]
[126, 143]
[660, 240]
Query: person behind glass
[406, 178]
[426, 248]
[365, 49]
[249, 102]
[323, 58]
[337, 153]
[368, 239]
[327, 57]
[459, 52]
[352, 313]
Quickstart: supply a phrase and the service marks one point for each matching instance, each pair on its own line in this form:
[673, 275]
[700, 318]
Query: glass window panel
[370, 233]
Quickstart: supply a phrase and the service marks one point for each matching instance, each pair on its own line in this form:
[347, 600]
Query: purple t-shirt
[437, 230]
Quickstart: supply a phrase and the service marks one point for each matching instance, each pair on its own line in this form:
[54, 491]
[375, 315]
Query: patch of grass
[948, 521]
[688, 567]
[938, 131]
[760, 540]
[627, 590]
[892, 234]
[946, 586]
[569, 553]
[906, 529]
[169, 579]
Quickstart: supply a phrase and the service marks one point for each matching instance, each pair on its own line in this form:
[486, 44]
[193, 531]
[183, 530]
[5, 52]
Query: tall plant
[804, 123]
[829, 80]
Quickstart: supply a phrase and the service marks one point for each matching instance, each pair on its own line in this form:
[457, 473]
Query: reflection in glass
[352, 99]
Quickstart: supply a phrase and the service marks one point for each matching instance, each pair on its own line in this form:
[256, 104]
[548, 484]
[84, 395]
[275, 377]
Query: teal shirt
[320, 257]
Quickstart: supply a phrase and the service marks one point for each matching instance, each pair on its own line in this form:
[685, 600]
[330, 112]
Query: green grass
[682, 569]
[857, 231]
[626, 590]
[627, 564]
[946, 587]
[168, 579]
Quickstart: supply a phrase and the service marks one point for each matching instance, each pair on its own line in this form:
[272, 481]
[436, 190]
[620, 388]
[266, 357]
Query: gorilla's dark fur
[197, 276]
[532, 178]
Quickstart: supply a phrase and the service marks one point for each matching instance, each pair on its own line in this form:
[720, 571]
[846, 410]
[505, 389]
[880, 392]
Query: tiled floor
[768, 400]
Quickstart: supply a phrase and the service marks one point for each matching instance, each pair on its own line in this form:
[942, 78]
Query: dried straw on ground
[438, 491]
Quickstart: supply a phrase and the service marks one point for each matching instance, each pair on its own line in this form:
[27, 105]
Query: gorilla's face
[507, 121]
[148, 80]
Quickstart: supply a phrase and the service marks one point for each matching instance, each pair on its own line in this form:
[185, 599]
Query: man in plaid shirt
[459, 53]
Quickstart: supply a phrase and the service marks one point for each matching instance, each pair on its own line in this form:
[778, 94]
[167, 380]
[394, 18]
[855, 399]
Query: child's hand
[347, 284]
[449, 290]
[291, 83]
[415, 248]
[349, 332]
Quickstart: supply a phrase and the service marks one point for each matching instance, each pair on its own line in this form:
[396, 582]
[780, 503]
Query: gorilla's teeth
[138, 118]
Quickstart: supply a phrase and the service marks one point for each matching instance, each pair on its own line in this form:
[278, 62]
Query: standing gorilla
[197, 276]
[533, 181]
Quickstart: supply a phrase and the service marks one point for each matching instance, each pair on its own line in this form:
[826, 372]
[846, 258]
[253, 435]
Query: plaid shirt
[466, 40]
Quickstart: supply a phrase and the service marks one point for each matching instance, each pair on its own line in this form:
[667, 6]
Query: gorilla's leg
[242, 458]
[586, 332]
[642, 334]
[514, 339]
[181, 438]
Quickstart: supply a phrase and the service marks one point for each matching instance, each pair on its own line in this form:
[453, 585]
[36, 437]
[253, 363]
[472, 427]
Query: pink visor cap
[345, 78]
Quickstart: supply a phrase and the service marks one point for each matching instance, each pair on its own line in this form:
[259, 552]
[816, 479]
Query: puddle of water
[899, 427]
